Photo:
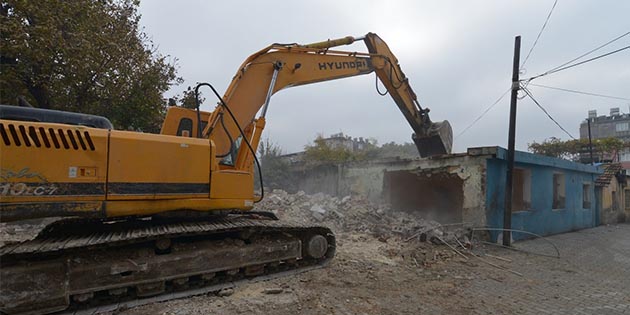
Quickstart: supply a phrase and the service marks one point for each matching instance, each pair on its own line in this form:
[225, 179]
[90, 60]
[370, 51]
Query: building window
[521, 189]
[559, 191]
[615, 202]
[626, 194]
[586, 196]
[621, 127]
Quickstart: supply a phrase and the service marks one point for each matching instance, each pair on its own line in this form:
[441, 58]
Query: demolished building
[550, 195]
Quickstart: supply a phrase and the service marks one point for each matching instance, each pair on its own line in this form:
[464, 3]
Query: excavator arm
[279, 66]
[430, 138]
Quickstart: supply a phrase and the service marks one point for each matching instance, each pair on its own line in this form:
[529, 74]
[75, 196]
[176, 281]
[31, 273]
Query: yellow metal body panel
[114, 173]
[232, 185]
[149, 166]
[52, 162]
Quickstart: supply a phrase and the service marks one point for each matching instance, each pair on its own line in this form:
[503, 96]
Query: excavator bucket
[438, 140]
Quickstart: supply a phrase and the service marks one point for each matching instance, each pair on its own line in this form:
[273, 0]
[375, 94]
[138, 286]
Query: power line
[577, 64]
[580, 92]
[529, 93]
[593, 50]
[483, 114]
[539, 33]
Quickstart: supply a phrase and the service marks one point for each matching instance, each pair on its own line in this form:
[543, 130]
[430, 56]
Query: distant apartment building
[341, 141]
[616, 125]
[335, 141]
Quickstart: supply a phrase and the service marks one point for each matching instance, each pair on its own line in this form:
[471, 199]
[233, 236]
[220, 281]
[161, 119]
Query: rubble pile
[20, 231]
[349, 214]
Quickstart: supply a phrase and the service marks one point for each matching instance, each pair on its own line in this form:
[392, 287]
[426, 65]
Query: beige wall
[613, 202]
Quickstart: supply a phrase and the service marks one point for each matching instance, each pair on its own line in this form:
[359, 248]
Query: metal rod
[276, 68]
[451, 247]
[499, 258]
[498, 266]
[507, 214]
[519, 231]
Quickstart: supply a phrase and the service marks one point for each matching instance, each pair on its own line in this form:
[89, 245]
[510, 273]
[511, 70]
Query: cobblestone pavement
[592, 276]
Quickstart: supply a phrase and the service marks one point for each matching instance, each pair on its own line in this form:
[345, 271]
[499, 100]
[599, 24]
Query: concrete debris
[318, 209]
[354, 214]
[273, 291]
[21, 231]
[225, 292]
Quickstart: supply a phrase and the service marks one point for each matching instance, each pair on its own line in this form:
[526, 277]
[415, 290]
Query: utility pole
[590, 141]
[507, 214]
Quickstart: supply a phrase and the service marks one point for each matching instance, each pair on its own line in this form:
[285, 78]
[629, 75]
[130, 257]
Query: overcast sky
[456, 54]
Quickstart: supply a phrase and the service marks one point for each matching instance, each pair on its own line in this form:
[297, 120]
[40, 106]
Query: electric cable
[580, 92]
[539, 33]
[483, 114]
[577, 64]
[593, 50]
[528, 92]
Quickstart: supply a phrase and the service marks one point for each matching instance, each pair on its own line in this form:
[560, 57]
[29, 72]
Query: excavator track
[86, 267]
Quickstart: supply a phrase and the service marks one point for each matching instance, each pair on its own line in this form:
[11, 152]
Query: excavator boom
[280, 66]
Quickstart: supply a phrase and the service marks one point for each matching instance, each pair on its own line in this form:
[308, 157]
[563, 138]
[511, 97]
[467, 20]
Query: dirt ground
[367, 276]
[370, 276]
[385, 265]
[382, 265]
[380, 268]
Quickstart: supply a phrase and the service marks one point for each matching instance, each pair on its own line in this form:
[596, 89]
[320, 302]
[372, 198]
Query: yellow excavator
[151, 217]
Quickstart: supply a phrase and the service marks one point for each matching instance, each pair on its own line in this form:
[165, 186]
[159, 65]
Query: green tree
[187, 99]
[553, 147]
[571, 149]
[86, 56]
[393, 149]
[321, 152]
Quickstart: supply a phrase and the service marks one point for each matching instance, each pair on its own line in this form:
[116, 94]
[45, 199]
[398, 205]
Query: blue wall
[541, 218]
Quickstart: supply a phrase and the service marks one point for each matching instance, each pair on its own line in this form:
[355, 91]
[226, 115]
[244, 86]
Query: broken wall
[448, 189]
[314, 179]
[435, 194]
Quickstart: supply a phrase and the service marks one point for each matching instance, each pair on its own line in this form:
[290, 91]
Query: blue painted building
[550, 195]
